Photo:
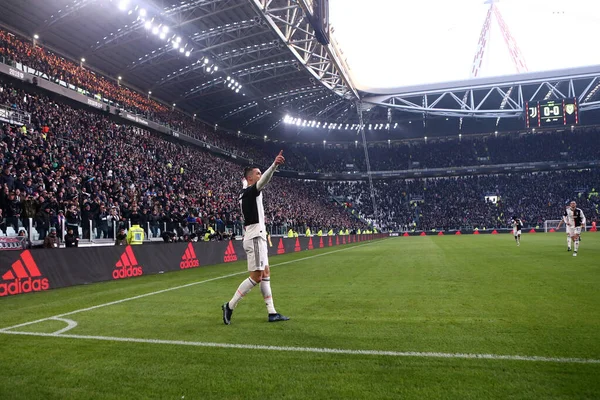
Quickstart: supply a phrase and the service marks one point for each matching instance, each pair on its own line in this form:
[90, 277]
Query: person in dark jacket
[52, 241]
[121, 238]
[71, 240]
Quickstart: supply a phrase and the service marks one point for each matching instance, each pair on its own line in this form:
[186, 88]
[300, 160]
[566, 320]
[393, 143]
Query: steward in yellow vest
[135, 235]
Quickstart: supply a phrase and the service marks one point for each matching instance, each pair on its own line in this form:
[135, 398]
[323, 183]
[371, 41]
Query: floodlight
[120, 78]
[178, 39]
[82, 59]
[165, 29]
[162, 35]
[148, 24]
[187, 53]
[237, 90]
[175, 45]
[142, 12]
[36, 36]
[229, 78]
[123, 5]
[216, 68]
[155, 30]
[206, 61]
[181, 50]
[173, 104]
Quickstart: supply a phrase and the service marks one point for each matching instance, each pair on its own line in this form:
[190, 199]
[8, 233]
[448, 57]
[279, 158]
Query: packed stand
[82, 168]
[454, 203]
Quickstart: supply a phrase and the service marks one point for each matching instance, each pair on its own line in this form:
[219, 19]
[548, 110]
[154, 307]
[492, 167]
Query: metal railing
[7, 114]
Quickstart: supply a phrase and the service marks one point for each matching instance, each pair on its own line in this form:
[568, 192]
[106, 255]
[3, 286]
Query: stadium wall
[43, 269]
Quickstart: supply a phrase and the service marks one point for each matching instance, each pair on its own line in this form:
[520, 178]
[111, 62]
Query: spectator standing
[52, 241]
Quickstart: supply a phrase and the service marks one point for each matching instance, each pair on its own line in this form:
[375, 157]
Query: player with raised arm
[255, 241]
[517, 226]
[575, 220]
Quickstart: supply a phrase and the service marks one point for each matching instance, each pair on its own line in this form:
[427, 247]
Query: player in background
[575, 220]
[517, 226]
[255, 241]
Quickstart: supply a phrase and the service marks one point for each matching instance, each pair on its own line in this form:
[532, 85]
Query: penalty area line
[415, 354]
[176, 288]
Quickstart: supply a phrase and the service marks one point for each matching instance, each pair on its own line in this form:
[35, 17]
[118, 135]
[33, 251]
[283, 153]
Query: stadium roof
[229, 34]
[237, 38]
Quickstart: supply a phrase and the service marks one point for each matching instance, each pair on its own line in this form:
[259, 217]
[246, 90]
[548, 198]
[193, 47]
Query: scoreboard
[550, 113]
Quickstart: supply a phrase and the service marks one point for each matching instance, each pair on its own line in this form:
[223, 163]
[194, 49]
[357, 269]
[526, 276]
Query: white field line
[70, 325]
[320, 350]
[3, 330]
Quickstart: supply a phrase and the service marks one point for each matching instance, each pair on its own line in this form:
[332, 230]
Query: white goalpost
[551, 224]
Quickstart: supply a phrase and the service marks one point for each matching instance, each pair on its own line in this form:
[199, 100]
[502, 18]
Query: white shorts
[572, 230]
[257, 253]
[516, 233]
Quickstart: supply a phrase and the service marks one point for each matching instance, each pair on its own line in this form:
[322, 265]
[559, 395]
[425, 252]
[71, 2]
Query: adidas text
[127, 272]
[19, 286]
[189, 264]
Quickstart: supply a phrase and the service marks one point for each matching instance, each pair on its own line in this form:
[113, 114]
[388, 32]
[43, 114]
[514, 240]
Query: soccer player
[517, 225]
[255, 241]
[575, 220]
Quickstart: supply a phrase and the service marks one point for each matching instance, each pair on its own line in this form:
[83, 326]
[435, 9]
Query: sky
[399, 43]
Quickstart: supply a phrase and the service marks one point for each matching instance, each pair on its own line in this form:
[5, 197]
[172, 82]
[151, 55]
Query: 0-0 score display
[552, 113]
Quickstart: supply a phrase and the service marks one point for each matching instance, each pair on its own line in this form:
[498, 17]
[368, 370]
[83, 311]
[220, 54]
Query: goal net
[551, 224]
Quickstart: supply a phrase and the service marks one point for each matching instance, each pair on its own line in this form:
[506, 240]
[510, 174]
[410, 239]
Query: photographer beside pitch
[255, 241]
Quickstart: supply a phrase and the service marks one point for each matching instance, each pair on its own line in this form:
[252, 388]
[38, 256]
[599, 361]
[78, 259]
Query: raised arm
[268, 174]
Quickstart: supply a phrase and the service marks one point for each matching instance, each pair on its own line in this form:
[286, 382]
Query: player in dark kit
[255, 241]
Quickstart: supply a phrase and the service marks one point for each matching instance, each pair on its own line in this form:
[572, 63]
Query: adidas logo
[24, 277]
[230, 255]
[189, 259]
[127, 266]
[280, 247]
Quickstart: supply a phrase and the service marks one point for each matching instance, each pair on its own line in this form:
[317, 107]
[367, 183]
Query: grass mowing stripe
[319, 350]
[174, 288]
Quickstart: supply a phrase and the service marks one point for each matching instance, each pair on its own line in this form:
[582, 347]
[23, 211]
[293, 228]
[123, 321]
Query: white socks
[569, 241]
[246, 286]
[576, 245]
[265, 289]
[241, 291]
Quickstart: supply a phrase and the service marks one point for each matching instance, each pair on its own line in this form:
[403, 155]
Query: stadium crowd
[82, 167]
[450, 152]
[474, 201]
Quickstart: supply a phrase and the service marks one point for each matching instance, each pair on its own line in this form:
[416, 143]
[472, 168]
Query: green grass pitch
[415, 306]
